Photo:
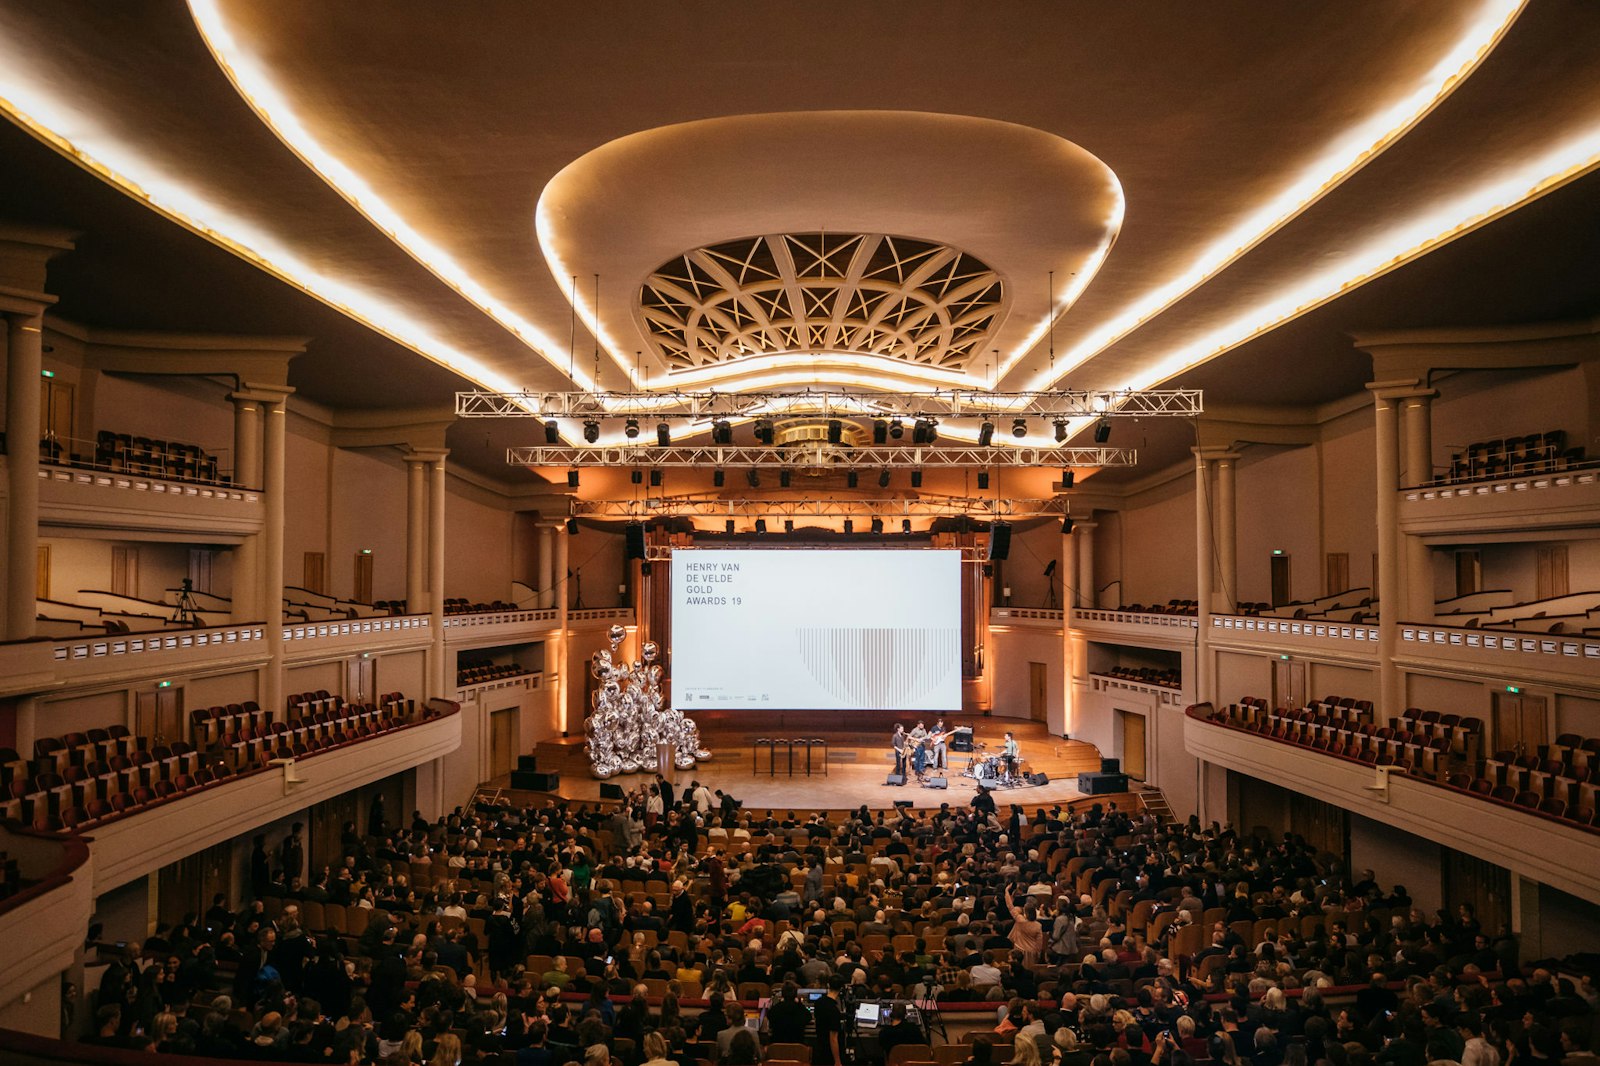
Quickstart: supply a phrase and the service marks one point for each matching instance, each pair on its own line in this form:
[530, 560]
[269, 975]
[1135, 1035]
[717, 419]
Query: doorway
[1038, 691]
[361, 680]
[1487, 887]
[1551, 579]
[43, 584]
[125, 571]
[1469, 572]
[1288, 684]
[158, 714]
[1519, 723]
[362, 592]
[314, 573]
[1280, 580]
[503, 741]
[1338, 573]
[1133, 744]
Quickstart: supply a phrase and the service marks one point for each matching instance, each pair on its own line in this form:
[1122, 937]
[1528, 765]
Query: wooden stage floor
[859, 761]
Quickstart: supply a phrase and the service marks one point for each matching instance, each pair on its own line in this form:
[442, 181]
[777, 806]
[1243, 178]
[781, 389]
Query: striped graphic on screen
[878, 668]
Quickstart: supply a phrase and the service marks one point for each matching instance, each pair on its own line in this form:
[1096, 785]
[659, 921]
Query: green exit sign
[1513, 689]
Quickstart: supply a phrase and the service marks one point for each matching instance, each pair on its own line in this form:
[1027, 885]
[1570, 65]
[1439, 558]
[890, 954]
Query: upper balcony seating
[1535, 453]
[1187, 607]
[123, 453]
[479, 671]
[79, 779]
[465, 606]
[1560, 781]
[1577, 613]
[1146, 675]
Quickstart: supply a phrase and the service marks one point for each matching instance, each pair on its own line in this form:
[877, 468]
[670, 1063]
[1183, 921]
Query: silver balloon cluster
[629, 719]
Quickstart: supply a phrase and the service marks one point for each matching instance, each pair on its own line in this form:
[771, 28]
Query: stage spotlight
[1061, 430]
[572, 479]
[849, 526]
[883, 478]
[932, 431]
[552, 432]
[1067, 478]
[764, 430]
[916, 479]
[655, 478]
[1019, 427]
[591, 430]
[761, 525]
[877, 525]
[630, 428]
[983, 479]
[788, 525]
[897, 429]
[880, 432]
[1066, 525]
[572, 527]
[752, 478]
[636, 476]
[1102, 431]
[905, 525]
[727, 527]
[835, 431]
[663, 435]
[852, 479]
[919, 431]
[721, 432]
[718, 478]
[783, 478]
[986, 434]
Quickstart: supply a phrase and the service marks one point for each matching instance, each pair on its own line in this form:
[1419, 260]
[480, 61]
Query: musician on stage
[1011, 753]
[919, 749]
[898, 741]
[937, 740]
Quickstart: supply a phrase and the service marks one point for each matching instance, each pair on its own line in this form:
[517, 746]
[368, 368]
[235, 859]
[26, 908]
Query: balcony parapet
[1552, 500]
[42, 926]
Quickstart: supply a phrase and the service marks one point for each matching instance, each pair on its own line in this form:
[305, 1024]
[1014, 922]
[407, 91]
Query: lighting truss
[838, 507]
[946, 403]
[812, 454]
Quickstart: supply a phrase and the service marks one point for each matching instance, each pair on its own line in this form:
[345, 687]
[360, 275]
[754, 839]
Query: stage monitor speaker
[961, 739]
[1039, 779]
[527, 762]
[896, 779]
[1111, 766]
[904, 803]
[999, 541]
[534, 781]
[609, 791]
[634, 533]
[937, 782]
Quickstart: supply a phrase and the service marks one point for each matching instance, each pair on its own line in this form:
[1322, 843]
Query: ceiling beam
[817, 454]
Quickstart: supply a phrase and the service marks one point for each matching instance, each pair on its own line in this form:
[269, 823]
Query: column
[1069, 621]
[1087, 593]
[247, 474]
[441, 686]
[276, 416]
[547, 568]
[25, 343]
[559, 662]
[1418, 430]
[1202, 568]
[1390, 701]
[416, 533]
[1227, 535]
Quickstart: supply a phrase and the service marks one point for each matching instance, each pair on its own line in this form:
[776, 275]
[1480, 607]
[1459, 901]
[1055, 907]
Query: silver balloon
[630, 716]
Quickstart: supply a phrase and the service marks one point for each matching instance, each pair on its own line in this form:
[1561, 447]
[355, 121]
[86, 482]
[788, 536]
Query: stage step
[1156, 804]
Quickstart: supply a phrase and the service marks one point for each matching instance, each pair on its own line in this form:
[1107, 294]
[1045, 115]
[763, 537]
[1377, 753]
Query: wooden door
[315, 574]
[1281, 593]
[361, 681]
[56, 417]
[503, 741]
[1552, 576]
[1484, 885]
[1134, 763]
[1038, 691]
[158, 714]
[1288, 683]
[42, 590]
[1337, 578]
[125, 571]
[1519, 723]
[362, 592]
[1469, 572]
[201, 563]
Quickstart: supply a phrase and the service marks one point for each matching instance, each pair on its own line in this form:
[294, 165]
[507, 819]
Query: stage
[859, 761]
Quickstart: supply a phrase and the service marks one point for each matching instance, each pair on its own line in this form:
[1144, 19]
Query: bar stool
[755, 755]
[815, 742]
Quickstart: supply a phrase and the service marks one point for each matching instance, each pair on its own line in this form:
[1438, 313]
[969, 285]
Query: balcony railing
[1526, 501]
[1041, 617]
[42, 926]
[595, 616]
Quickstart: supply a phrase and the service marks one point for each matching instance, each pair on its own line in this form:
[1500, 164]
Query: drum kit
[994, 769]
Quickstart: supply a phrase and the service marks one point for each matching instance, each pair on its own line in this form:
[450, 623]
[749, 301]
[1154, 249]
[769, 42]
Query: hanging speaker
[999, 541]
[634, 532]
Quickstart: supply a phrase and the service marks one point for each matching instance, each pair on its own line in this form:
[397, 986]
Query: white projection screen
[805, 629]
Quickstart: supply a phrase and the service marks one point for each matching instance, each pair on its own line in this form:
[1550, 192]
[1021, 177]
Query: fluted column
[1390, 699]
[275, 416]
[247, 474]
[1087, 592]
[547, 568]
[441, 686]
[25, 362]
[558, 662]
[416, 533]
[1418, 430]
[1227, 535]
[1202, 569]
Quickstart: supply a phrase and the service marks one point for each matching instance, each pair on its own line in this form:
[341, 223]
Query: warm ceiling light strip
[1345, 156]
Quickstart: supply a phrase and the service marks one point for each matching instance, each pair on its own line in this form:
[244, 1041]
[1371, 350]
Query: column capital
[1213, 454]
[1084, 525]
[426, 455]
[249, 391]
[1399, 389]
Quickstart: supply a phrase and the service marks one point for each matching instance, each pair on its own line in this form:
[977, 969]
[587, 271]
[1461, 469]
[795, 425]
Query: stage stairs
[1154, 802]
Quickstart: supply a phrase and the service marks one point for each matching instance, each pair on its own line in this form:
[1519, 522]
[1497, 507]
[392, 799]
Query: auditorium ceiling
[894, 195]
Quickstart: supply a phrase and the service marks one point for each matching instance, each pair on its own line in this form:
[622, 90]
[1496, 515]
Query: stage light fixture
[552, 432]
[1061, 430]
[663, 435]
[849, 526]
[880, 432]
[897, 429]
[852, 479]
[655, 479]
[783, 479]
[591, 430]
[727, 527]
[883, 478]
[916, 479]
[986, 434]
[630, 428]
[877, 525]
[932, 431]
[1066, 525]
[788, 525]
[919, 431]
[1102, 431]
[761, 525]
[572, 479]
[752, 478]
[835, 431]
[721, 432]
[905, 525]
[572, 527]
[1067, 478]
[983, 479]
[1019, 427]
[764, 430]
[636, 476]
[718, 478]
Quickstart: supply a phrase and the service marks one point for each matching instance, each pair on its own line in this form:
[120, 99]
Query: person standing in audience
[829, 1019]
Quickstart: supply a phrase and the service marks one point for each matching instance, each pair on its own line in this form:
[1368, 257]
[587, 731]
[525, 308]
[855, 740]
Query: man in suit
[664, 787]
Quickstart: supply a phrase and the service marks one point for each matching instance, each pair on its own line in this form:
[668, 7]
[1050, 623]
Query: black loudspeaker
[534, 781]
[1111, 766]
[999, 541]
[937, 782]
[896, 779]
[527, 762]
[609, 791]
[961, 740]
[1033, 779]
[634, 536]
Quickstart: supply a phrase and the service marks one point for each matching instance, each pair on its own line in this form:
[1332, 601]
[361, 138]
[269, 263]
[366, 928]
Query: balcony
[1554, 500]
[1552, 658]
[42, 926]
[1545, 848]
[482, 629]
[1027, 617]
[600, 617]
[315, 640]
[1329, 640]
[1148, 629]
[74, 497]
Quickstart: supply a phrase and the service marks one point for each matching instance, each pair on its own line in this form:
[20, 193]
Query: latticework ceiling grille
[814, 293]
